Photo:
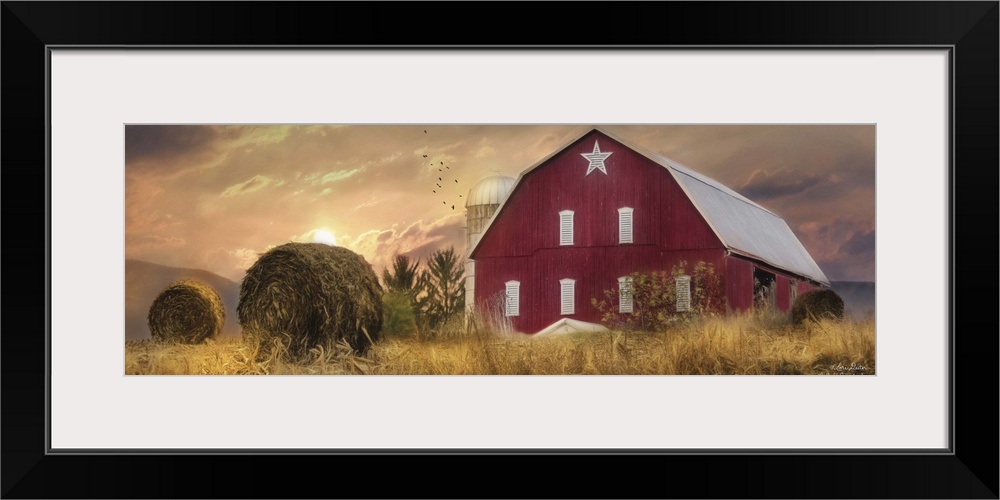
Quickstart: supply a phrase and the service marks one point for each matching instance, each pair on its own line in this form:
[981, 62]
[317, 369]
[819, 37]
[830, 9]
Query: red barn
[581, 220]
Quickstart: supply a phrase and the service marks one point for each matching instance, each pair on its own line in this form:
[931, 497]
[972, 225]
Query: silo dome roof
[490, 191]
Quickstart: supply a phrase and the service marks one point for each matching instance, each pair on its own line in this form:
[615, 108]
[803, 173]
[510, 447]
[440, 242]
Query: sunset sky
[214, 197]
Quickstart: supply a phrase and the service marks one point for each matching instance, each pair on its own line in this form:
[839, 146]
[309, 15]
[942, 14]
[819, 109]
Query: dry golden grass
[731, 346]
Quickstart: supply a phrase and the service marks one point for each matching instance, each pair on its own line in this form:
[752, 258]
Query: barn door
[763, 289]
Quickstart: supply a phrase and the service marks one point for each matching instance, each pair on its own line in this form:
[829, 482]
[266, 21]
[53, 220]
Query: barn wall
[739, 284]
[783, 291]
[594, 269]
[523, 242]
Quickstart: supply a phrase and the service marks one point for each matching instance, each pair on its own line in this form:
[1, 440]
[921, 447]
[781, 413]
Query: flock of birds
[440, 180]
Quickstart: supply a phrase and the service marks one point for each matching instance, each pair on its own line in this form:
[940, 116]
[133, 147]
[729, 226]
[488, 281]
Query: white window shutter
[683, 293]
[567, 296]
[625, 294]
[625, 225]
[566, 227]
[513, 303]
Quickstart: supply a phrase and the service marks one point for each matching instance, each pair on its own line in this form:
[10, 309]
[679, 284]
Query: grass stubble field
[734, 345]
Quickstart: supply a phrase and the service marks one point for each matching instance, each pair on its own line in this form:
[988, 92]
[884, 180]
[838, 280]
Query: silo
[484, 199]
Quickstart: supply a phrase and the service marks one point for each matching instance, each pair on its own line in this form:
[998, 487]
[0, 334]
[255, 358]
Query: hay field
[730, 346]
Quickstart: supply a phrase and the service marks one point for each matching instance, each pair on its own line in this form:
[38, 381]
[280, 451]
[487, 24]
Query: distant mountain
[145, 280]
[859, 297]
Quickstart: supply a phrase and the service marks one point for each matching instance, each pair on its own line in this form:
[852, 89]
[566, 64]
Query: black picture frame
[968, 29]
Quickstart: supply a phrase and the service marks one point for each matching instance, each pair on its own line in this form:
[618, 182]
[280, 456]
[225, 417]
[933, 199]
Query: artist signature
[853, 367]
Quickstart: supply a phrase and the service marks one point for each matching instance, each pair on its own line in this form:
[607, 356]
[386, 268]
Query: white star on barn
[596, 159]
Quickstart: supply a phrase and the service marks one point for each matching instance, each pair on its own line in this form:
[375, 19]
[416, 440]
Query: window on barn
[567, 296]
[625, 225]
[512, 306]
[625, 294]
[683, 283]
[566, 227]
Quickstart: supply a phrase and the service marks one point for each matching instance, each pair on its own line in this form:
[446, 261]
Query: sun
[325, 237]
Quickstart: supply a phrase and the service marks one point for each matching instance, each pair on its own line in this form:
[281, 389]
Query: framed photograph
[158, 144]
[499, 249]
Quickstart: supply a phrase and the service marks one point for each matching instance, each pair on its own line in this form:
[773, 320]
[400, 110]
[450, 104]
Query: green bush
[654, 298]
[817, 304]
[398, 316]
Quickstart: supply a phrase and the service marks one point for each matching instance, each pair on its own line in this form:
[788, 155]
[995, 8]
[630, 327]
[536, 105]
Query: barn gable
[742, 226]
[564, 202]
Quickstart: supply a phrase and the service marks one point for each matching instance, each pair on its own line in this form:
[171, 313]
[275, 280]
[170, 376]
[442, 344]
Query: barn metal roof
[744, 227]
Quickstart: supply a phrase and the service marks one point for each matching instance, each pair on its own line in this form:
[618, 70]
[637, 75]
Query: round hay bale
[311, 294]
[187, 311]
[817, 304]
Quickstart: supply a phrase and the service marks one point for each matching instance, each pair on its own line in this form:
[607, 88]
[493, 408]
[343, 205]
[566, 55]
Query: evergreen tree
[404, 275]
[444, 284]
